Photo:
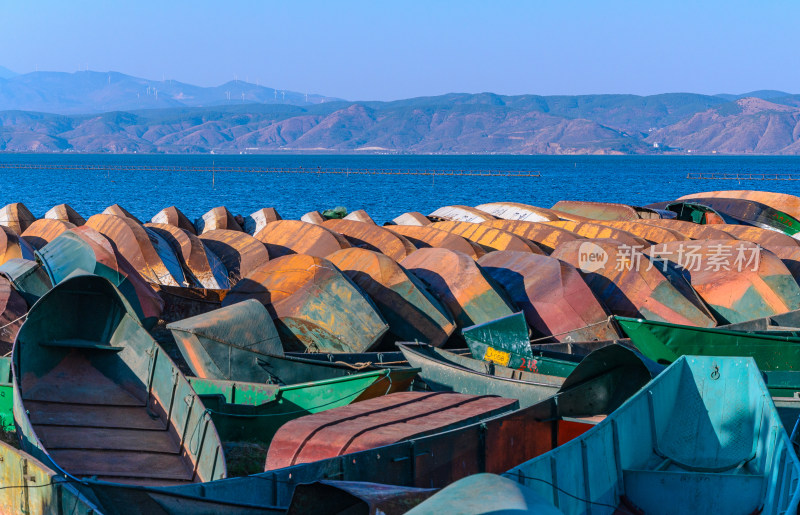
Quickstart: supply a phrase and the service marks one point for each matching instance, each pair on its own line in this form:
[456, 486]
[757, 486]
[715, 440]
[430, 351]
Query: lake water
[627, 179]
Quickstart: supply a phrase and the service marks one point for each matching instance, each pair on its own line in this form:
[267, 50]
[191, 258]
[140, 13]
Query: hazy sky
[387, 50]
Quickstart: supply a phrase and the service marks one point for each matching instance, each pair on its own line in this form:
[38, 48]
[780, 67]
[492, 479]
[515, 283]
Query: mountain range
[113, 112]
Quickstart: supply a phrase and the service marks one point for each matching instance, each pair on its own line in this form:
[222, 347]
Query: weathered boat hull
[702, 437]
[604, 210]
[65, 213]
[516, 211]
[554, 297]
[546, 236]
[285, 237]
[411, 311]
[489, 238]
[218, 218]
[313, 304]
[173, 216]
[789, 204]
[427, 236]
[257, 220]
[371, 237]
[16, 217]
[28, 278]
[201, 267]
[239, 252]
[42, 231]
[13, 246]
[764, 237]
[460, 214]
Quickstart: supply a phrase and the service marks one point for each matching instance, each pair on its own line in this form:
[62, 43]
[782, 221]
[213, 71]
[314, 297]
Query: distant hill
[5, 73]
[113, 112]
[93, 92]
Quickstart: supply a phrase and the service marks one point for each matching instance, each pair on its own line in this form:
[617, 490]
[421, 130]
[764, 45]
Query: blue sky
[387, 50]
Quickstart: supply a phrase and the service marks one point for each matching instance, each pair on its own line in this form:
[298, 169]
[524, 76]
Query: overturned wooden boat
[460, 284]
[460, 214]
[517, 211]
[378, 422]
[65, 213]
[489, 238]
[764, 237]
[411, 311]
[28, 278]
[372, 237]
[547, 237]
[239, 252]
[776, 352]
[651, 233]
[702, 437]
[13, 246]
[737, 280]
[201, 267]
[82, 250]
[748, 212]
[117, 210]
[314, 305]
[240, 342]
[359, 215]
[693, 230]
[42, 231]
[411, 218]
[149, 254]
[215, 219]
[596, 388]
[95, 395]
[427, 236]
[12, 312]
[554, 297]
[312, 217]
[789, 204]
[173, 216]
[623, 280]
[286, 237]
[257, 220]
[604, 210]
[16, 217]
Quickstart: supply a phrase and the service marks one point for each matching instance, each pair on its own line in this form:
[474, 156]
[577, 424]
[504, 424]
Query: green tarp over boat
[702, 437]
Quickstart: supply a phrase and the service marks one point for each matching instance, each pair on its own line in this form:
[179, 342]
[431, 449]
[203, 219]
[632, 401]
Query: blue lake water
[628, 179]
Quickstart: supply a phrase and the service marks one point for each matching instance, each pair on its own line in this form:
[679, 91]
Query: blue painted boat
[702, 437]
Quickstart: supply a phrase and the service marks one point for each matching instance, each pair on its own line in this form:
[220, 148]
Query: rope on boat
[520, 475]
[10, 324]
[361, 365]
[606, 321]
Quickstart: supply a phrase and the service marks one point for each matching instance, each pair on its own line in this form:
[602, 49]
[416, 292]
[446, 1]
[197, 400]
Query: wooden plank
[132, 464]
[61, 414]
[68, 437]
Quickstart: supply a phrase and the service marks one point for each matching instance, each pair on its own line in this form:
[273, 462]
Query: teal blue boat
[702, 437]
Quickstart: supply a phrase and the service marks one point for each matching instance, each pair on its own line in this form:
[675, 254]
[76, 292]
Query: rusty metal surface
[42, 231]
[604, 210]
[460, 214]
[487, 237]
[215, 219]
[411, 218]
[693, 230]
[546, 236]
[516, 211]
[355, 498]
[411, 311]
[295, 237]
[180, 302]
[202, 267]
[427, 237]
[312, 217]
[65, 213]
[791, 258]
[763, 237]
[12, 246]
[372, 237]
[552, 294]
[377, 422]
[313, 304]
[622, 280]
[736, 279]
[152, 258]
[593, 231]
[96, 395]
[256, 220]
[117, 210]
[359, 216]
[460, 284]
[646, 231]
[173, 216]
[16, 216]
[12, 308]
[781, 201]
[239, 252]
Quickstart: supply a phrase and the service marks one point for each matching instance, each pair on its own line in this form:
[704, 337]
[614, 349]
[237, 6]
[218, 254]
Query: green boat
[505, 341]
[777, 354]
[6, 395]
[598, 386]
[28, 277]
[241, 343]
[96, 396]
[702, 437]
[252, 412]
